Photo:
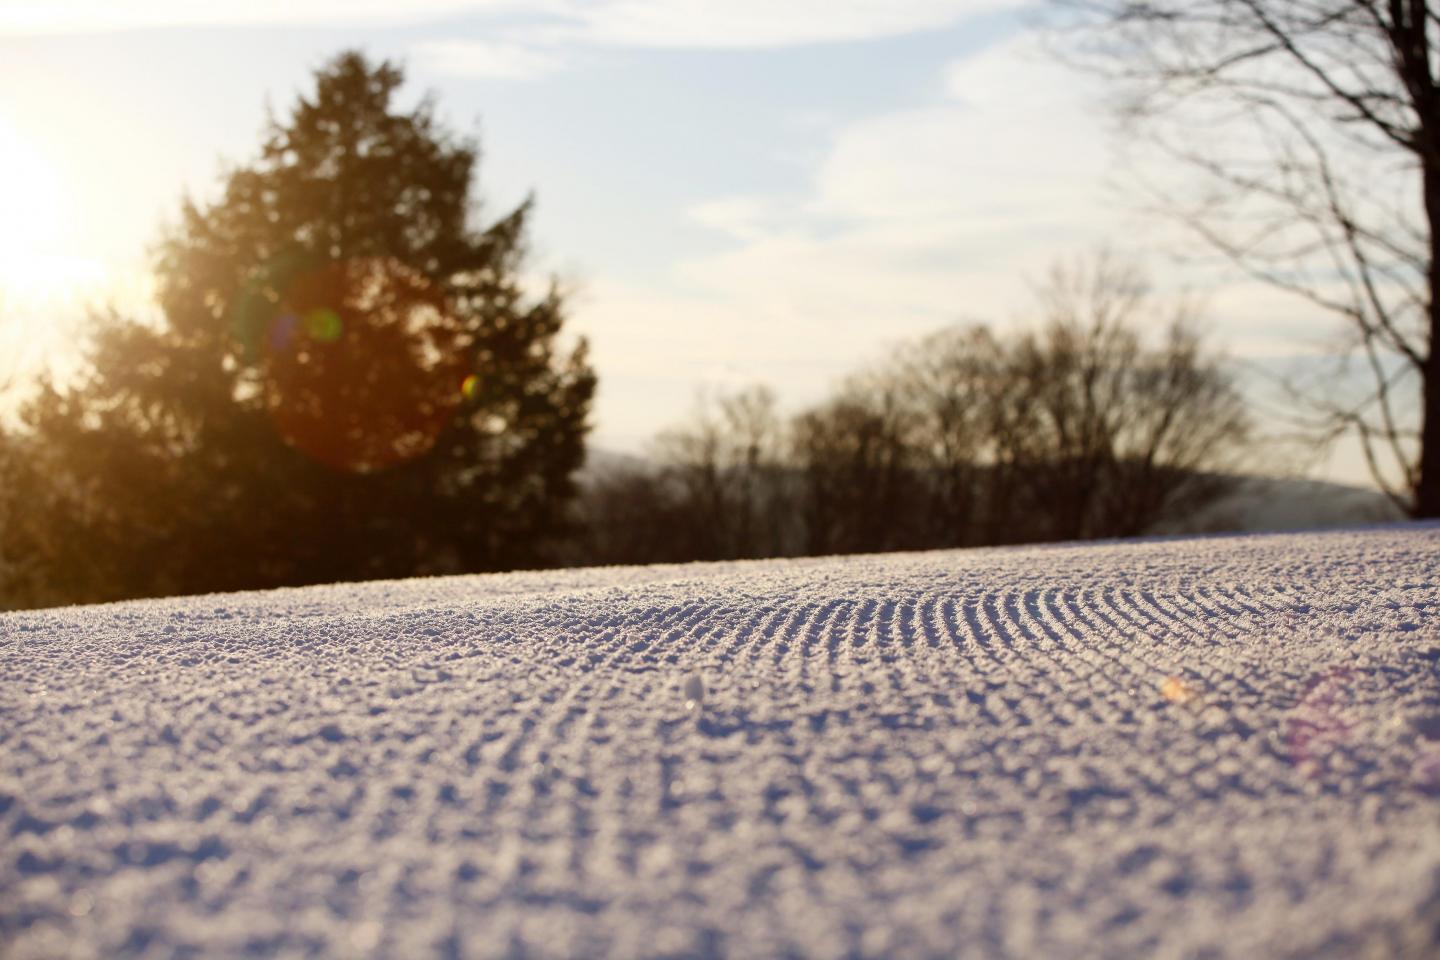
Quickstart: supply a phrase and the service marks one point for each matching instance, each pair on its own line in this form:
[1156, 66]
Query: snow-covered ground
[1215, 747]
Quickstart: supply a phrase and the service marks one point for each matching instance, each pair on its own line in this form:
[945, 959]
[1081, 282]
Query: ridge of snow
[1209, 747]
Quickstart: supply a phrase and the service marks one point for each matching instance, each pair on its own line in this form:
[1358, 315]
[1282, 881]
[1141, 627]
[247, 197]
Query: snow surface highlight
[1219, 747]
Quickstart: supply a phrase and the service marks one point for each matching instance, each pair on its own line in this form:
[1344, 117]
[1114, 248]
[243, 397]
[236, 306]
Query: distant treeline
[1082, 429]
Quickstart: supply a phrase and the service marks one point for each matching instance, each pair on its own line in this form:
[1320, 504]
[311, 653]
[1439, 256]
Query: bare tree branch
[1317, 124]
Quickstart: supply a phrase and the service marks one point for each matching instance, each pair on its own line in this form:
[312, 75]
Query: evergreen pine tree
[348, 381]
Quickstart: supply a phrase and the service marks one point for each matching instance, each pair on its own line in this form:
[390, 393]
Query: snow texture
[1221, 747]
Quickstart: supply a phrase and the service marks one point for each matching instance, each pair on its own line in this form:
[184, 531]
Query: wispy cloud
[741, 218]
[648, 23]
[922, 216]
[480, 58]
[31, 17]
[913, 219]
[762, 23]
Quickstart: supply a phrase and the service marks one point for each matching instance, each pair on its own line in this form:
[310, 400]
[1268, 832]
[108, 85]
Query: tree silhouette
[1313, 130]
[1091, 424]
[349, 380]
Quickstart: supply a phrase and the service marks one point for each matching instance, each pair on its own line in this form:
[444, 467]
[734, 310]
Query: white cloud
[1018, 142]
[766, 23]
[478, 58]
[913, 220]
[921, 217]
[741, 218]
[652, 23]
[536, 33]
[24, 17]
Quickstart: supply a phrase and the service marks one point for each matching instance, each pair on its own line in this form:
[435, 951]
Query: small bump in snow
[694, 691]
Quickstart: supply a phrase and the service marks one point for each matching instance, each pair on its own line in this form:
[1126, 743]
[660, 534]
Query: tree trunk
[1412, 44]
[1427, 485]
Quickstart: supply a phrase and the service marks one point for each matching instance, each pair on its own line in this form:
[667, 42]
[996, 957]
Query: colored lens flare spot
[323, 324]
[364, 359]
[470, 387]
[1426, 771]
[282, 333]
[1317, 727]
[1175, 690]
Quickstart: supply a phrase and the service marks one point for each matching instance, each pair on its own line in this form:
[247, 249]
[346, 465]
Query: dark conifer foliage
[348, 381]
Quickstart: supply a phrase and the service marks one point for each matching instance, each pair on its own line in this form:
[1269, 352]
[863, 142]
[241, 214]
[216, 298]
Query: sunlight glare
[36, 268]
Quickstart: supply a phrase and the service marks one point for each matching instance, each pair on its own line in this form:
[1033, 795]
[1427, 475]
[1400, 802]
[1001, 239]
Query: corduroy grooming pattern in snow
[1217, 747]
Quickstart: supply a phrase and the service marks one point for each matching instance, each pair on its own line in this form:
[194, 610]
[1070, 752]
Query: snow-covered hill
[1213, 747]
[1265, 504]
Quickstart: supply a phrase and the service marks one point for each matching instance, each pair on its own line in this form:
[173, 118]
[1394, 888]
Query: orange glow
[1176, 690]
[362, 361]
[36, 266]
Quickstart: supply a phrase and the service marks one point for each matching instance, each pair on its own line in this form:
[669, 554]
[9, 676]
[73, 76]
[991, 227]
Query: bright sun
[37, 262]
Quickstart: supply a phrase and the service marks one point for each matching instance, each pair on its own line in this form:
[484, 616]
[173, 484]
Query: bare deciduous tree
[1119, 430]
[725, 465]
[1315, 127]
[1086, 427]
[855, 459]
[952, 381]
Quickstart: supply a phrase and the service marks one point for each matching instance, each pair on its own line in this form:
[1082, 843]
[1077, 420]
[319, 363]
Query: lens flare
[1318, 726]
[1175, 690]
[361, 359]
[282, 332]
[323, 324]
[1426, 770]
[470, 387]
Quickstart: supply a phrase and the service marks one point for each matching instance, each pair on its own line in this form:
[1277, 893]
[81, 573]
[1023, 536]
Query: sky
[735, 191]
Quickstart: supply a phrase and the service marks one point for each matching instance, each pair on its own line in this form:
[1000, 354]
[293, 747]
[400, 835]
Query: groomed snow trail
[1215, 747]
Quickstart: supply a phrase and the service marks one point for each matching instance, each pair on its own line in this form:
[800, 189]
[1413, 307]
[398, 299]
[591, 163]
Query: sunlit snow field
[1212, 747]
